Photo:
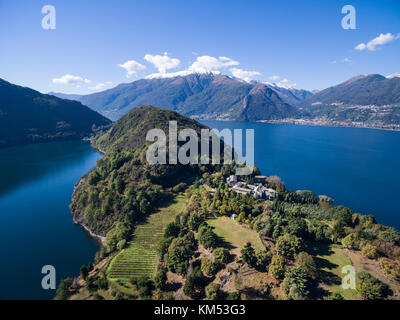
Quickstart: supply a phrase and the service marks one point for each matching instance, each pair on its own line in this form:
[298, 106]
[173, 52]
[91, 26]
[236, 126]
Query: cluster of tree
[210, 266]
[64, 289]
[300, 196]
[225, 202]
[259, 260]
[144, 287]
[277, 221]
[115, 197]
[207, 236]
[195, 284]
[180, 252]
[371, 288]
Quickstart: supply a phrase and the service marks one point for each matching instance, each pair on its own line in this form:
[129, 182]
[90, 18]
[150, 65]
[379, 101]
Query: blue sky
[301, 42]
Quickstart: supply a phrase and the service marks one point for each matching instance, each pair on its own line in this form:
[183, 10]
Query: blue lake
[36, 228]
[358, 168]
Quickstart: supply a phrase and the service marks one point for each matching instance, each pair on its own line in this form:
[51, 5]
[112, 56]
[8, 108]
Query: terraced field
[140, 257]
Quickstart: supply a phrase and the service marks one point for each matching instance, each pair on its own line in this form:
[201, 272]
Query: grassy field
[235, 234]
[139, 258]
[331, 259]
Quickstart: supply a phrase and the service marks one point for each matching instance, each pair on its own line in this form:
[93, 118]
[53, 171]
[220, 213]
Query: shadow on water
[36, 227]
[21, 165]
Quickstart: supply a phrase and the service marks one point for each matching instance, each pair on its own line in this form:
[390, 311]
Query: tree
[296, 283]
[233, 296]
[160, 279]
[349, 241]
[194, 284]
[306, 262]
[288, 246]
[277, 267]
[116, 234]
[209, 267]
[171, 230]
[263, 259]
[212, 291]
[338, 231]
[63, 291]
[179, 254]
[84, 272]
[121, 244]
[371, 288]
[369, 251]
[194, 221]
[207, 237]
[91, 285]
[390, 267]
[343, 215]
[248, 254]
[221, 255]
[145, 287]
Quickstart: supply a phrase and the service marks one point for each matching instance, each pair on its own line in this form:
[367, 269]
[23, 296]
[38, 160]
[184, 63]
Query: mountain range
[27, 116]
[203, 96]
[220, 97]
[373, 89]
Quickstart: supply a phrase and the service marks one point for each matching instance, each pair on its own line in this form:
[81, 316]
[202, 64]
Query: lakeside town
[340, 115]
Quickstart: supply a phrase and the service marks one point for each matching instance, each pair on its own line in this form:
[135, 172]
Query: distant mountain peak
[372, 89]
[199, 95]
[393, 75]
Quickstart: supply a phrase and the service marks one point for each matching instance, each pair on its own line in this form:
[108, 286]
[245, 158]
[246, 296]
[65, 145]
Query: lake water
[358, 168]
[36, 227]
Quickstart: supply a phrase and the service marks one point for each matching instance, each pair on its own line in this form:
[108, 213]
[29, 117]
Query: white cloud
[132, 67]
[360, 47]
[274, 78]
[101, 85]
[380, 40]
[244, 74]
[162, 63]
[346, 60]
[205, 64]
[70, 79]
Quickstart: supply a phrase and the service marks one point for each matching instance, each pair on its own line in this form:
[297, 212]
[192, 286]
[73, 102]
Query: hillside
[290, 95]
[373, 89]
[202, 96]
[264, 103]
[124, 187]
[27, 116]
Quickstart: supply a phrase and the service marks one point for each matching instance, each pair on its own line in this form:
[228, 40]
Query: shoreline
[97, 237]
[321, 124]
[303, 122]
[100, 239]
